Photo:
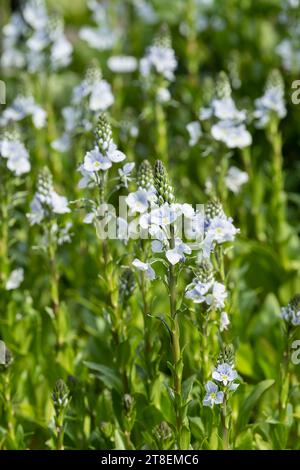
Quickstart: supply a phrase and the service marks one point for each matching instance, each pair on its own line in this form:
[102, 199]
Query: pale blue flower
[213, 395]
[224, 373]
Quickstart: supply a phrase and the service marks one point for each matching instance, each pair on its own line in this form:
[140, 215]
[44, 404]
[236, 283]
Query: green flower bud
[103, 133]
[5, 356]
[162, 431]
[126, 286]
[60, 396]
[107, 429]
[165, 191]
[45, 186]
[93, 72]
[213, 209]
[227, 355]
[163, 38]
[128, 403]
[145, 177]
[205, 272]
[223, 87]
[275, 80]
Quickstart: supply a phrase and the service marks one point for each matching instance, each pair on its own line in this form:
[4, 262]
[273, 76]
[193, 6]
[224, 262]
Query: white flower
[59, 203]
[61, 53]
[125, 173]
[22, 107]
[220, 230]
[194, 129]
[197, 291]
[101, 96]
[17, 156]
[15, 279]
[138, 201]
[62, 144]
[35, 14]
[100, 38]
[162, 59]
[233, 136]
[18, 165]
[216, 299]
[39, 117]
[42, 203]
[88, 178]
[122, 64]
[177, 253]
[145, 267]
[213, 395]
[271, 103]
[224, 321]
[235, 179]
[114, 154]
[205, 113]
[224, 373]
[225, 110]
[95, 161]
[37, 213]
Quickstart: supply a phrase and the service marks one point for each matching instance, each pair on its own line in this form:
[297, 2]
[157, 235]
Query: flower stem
[225, 426]
[161, 130]
[278, 195]
[176, 351]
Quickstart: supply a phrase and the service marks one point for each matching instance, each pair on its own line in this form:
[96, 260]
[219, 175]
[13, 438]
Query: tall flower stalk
[165, 195]
[45, 207]
[61, 401]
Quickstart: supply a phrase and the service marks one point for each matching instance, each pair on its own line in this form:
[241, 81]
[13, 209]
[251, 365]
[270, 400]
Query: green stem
[147, 341]
[278, 195]
[60, 431]
[161, 130]
[224, 426]
[9, 410]
[4, 258]
[54, 289]
[176, 351]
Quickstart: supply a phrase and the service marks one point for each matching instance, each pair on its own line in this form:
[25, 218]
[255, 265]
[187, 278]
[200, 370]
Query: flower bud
[205, 272]
[223, 87]
[103, 133]
[162, 431]
[213, 209]
[165, 191]
[126, 286]
[291, 313]
[60, 395]
[145, 178]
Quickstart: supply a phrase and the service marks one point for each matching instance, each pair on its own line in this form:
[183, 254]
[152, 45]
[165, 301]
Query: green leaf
[250, 402]
[187, 387]
[108, 376]
[185, 438]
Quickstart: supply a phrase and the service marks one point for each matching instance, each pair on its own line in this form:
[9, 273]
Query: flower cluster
[101, 36]
[46, 201]
[291, 313]
[35, 40]
[24, 106]
[15, 154]
[227, 122]
[89, 98]
[157, 67]
[272, 103]
[205, 289]
[225, 375]
[105, 151]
